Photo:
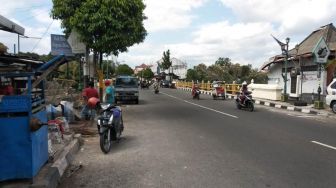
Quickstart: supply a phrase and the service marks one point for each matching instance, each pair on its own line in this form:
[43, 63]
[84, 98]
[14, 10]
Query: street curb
[270, 104]
[57, 169]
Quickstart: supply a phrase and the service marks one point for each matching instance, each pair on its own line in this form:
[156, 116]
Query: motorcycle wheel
[198, 98]
[250, 106]
[238, 105]
[105, 141]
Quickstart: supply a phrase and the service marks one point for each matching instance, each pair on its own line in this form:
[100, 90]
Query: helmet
[93, 102]
[244, 83]
[107, 82]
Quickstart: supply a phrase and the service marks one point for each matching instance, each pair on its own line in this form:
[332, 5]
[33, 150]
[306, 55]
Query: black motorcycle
[110, 126]
[247, 103]
[196, 94]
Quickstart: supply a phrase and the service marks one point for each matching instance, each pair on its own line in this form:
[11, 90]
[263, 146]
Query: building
[302, 71]
[179, 68]
[141, 67]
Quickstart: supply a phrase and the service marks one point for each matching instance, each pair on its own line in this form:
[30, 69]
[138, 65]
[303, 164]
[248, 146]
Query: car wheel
[333, 106]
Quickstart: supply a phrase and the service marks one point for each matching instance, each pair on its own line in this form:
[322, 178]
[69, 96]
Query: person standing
[109, 92]
[89, 92]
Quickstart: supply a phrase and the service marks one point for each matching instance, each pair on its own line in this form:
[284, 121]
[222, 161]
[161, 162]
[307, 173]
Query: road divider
[204, 107]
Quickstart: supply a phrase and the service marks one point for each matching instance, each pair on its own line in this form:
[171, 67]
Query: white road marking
[325, 145]
[233, 116]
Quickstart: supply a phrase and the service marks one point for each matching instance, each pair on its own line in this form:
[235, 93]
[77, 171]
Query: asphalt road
[171, 140]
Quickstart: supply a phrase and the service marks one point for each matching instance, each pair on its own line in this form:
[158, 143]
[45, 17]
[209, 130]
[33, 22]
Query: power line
[42, 35]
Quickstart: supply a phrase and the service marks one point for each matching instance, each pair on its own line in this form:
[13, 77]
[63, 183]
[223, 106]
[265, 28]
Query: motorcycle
[156, 88]
[196, 94]
[110, 126]
[248, 103]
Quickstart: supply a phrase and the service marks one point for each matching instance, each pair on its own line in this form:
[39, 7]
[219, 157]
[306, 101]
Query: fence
[207, 86]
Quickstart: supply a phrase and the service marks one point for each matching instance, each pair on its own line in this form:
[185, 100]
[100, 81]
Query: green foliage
[124, 69]
[201, 70]
[192, 75]
[166, 62]
[107, 26]
[224, 62]
[224, 70]
[148, 73]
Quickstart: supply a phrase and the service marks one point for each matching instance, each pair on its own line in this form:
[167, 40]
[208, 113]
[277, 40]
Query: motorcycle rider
[194, 89]
[243, 93]
[156, 85]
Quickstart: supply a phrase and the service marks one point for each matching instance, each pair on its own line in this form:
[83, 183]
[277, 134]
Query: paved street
[171, 140]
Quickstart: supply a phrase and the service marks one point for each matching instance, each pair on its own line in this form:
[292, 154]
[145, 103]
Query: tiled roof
[306, 47]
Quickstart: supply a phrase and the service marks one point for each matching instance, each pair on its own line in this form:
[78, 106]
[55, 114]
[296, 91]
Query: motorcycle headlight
[99, 122]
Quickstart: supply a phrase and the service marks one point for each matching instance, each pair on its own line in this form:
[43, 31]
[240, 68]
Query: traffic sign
[321, 51]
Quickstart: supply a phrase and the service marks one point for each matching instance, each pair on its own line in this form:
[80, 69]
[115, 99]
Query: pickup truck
[331, 95]
[126, 89]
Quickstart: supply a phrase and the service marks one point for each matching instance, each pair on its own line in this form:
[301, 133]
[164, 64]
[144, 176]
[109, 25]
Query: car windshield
[126, 82]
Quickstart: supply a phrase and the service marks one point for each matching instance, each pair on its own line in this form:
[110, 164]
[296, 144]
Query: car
[126, 89]
[165, 83]
[331, 95]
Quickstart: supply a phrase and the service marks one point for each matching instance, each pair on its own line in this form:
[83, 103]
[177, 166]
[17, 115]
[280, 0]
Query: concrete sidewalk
[51, 173]
[281, 105]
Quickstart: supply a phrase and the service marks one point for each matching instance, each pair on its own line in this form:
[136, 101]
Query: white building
[302, 61]
[178, 67]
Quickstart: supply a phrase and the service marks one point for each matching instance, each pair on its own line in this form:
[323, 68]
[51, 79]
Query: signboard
[7, 25]
[77, 46]
[321, 51]
[59, 45]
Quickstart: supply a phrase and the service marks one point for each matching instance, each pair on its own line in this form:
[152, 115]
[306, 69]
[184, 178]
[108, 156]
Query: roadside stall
[23, 136]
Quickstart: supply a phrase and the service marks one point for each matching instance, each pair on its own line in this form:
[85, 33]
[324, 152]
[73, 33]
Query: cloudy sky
[195, 31]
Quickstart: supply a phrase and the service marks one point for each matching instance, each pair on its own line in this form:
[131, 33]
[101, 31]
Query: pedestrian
[109, 92]
[88, 93]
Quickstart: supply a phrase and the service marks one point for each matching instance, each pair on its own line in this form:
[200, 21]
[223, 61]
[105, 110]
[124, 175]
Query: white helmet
[244, 83]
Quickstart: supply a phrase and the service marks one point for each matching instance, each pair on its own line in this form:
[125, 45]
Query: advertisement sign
[60, 45]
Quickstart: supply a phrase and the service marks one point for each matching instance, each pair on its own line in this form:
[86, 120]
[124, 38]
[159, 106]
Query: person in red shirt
[89, 92]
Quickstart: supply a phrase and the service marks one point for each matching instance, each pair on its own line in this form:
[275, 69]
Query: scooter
[110, 126]
[248, 103]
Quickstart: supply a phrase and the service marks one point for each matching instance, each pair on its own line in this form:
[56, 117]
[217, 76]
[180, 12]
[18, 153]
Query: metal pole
[18, 44]
[286, 62]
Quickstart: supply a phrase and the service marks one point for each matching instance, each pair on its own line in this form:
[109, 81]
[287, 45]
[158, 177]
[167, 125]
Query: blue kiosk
[23, 135]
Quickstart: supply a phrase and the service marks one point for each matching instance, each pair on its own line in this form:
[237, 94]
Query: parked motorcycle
[110, 126]
[247, 103]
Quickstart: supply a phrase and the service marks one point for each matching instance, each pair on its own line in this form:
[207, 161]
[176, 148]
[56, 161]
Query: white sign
[77, 46]
[321, 51]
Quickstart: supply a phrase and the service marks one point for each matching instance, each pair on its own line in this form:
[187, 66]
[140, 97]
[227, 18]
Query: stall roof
[7, 25]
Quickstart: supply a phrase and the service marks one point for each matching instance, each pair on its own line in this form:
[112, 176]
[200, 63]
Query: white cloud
[169, 14]
[292, 17]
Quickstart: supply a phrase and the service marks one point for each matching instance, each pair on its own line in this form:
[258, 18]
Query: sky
[195, 31]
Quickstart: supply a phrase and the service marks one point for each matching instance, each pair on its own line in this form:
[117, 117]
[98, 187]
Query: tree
[192, 75]
[106, 26]
[124, 69]
[148, 73]
[166, 62]
[224, 62]
[201, 70]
